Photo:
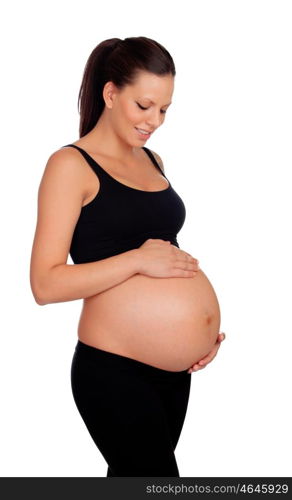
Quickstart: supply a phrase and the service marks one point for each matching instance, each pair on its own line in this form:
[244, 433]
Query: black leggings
[133, 411]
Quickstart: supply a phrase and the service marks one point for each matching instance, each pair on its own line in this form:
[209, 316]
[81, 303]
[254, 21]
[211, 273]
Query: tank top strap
[94, 165]
[152, 157]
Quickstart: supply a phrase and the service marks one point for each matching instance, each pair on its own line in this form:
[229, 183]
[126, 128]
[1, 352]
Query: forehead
[152, 86]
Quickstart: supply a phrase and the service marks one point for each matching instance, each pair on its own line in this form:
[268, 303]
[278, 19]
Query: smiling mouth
[142, 131]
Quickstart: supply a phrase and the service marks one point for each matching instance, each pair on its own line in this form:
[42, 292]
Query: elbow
[44, 289]
[39, 295]
[40, 301]
[40, 284]
[39, 298]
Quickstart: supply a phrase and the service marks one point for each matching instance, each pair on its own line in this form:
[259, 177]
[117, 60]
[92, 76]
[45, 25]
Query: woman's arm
[60, 197]
[65, 282]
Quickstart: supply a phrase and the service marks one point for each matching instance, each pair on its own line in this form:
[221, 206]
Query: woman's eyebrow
[154, 102]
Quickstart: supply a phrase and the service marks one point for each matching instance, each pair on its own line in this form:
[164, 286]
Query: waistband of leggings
[95, 354]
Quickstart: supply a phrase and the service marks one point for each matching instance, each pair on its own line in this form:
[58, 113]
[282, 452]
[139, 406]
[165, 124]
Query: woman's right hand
[160, 259]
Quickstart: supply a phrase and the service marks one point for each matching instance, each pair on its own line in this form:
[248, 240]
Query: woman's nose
[154, 121]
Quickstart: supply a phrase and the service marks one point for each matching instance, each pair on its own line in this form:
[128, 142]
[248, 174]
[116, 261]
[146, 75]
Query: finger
[197, 367]
[208, 358]
[210, 355]
[205, 362]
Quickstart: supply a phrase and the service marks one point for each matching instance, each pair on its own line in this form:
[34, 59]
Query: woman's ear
[109, 93]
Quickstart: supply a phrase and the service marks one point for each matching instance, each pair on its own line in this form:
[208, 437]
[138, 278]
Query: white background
[226, 148]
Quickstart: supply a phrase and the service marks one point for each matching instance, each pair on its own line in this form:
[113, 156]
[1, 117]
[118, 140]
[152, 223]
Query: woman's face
[151, 92]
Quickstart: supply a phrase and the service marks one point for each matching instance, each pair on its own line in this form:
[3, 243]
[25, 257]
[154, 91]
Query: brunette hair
[118, 61]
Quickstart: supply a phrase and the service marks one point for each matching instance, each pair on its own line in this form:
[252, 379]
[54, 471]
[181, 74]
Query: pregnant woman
[150, 315]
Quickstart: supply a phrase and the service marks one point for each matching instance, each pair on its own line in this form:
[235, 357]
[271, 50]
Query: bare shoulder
[159, 160]
[65, 166]
[64, 156]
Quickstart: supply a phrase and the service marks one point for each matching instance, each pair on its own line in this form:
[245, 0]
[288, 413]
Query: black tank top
[121, 218]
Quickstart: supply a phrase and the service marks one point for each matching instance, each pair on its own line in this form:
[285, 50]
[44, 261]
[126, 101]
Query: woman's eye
[141, 107]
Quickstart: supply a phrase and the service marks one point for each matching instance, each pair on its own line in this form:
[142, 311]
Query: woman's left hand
[203, 362]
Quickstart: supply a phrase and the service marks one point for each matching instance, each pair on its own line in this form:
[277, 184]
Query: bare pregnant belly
[169, 323]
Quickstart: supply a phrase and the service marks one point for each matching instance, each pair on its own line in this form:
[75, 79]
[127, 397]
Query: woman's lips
[143, 136]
